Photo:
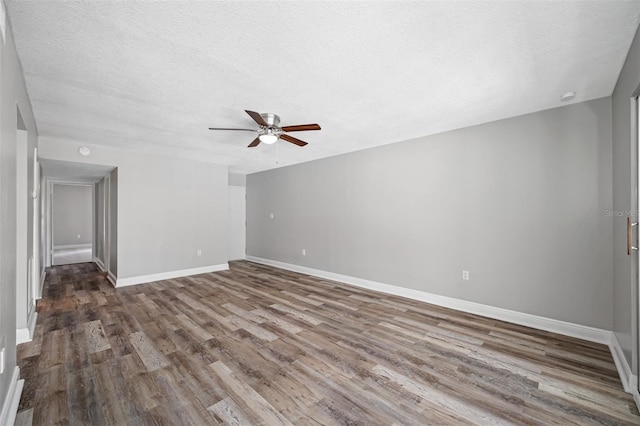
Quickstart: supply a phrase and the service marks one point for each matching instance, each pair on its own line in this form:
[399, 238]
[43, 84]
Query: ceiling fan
[270, 130]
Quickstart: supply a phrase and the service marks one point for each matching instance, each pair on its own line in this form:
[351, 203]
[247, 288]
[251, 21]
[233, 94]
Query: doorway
[71, 223]
[27, 268]
[92, 235]
[635, 205]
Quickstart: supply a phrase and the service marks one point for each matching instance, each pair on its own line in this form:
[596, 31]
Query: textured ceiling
[153, 76]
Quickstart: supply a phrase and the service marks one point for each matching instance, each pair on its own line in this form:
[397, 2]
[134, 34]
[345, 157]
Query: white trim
[24, 335]
[141, 279]
[98, 262]
[12, 400]
[72, 246]
[636, 397]
[548, 324]
[628, 379]
[43, 275]
[106, 229]
[112, 278]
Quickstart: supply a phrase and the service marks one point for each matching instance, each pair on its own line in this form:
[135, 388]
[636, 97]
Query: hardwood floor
[260, 345]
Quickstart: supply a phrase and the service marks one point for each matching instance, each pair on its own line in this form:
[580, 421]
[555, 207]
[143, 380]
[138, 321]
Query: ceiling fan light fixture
[268, 138]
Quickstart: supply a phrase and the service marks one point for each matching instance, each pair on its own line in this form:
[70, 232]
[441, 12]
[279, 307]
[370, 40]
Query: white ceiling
[153, 76]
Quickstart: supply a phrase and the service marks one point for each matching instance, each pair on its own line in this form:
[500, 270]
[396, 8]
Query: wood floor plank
[260, 406]
[150, 356]
[256, 330]
[193, 328]
[259, 345]
[439, 399]
[229, 413]
[96, 337]
[296, 314]
[249, 316]
[277, 321]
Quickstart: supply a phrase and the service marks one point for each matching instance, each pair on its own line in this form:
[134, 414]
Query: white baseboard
[141, 279]
[636, 397]
[100, 264]
[73, 246]
[24, 335]
[628, 379]
[12, 400]
[541, 323]
[112, 278]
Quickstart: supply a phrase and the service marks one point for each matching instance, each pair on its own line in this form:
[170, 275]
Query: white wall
[520, 203]
[12, 93]
[72, 215]
[167, 208]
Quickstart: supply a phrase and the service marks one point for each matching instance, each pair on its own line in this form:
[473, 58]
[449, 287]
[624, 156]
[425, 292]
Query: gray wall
[168, 208]
[113, 222]
[518, 202]
[237, 180]
[624, 293]
[72, 210]
[12, 92]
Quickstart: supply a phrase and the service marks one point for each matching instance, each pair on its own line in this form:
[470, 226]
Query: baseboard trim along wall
[112, 278]
[628, 379]
[100, 264]
[24, 335]
[142, 279]
[606, 337]
[12, 400]
[73, 246]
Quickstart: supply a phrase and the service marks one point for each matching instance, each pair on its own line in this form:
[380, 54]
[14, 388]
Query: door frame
[635, 263]
[50, 183]
[106, 225]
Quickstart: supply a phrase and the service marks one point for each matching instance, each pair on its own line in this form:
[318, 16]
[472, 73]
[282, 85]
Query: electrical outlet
[465, 275]
[2, 361]
[78, 236]
[199, 252]
[304, 252]
[271, 216]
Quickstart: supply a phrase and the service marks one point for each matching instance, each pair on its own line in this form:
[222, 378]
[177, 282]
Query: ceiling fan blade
[301, 128]
[257, 118]
[255, 142]
[293, 140]
[227, 128]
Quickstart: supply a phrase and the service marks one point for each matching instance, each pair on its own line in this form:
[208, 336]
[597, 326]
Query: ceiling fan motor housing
[273, 120]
